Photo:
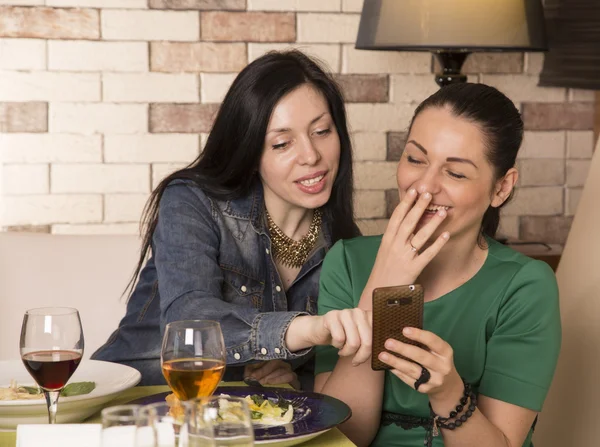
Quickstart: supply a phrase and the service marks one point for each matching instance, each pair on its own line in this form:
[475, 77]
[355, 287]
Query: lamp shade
[457, 25]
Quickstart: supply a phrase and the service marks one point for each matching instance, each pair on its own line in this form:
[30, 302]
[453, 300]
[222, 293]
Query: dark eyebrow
[287, 129]
[449, 159]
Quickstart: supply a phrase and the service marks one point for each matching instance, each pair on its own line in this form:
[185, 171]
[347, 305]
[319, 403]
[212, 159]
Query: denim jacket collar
[251, 207]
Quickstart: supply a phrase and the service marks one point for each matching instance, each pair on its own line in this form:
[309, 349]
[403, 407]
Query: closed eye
[280, 145]
[455, 175]
[323, 132]
[413, 160]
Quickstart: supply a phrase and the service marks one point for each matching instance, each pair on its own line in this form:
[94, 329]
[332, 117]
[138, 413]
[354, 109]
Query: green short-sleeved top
[503, 325]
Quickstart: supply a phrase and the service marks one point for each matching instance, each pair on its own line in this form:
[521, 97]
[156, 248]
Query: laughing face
[301, 153]
[446, 156]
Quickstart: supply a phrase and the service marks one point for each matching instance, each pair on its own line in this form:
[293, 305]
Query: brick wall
[100, 99]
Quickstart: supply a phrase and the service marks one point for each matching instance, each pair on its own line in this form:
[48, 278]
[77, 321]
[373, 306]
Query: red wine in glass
[51, 349]
[51, 369]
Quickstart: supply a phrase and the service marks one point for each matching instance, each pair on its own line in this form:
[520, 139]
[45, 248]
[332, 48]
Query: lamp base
[451, 63]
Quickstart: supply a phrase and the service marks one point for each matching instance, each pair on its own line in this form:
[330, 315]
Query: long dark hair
[498, 119]
[229, 163]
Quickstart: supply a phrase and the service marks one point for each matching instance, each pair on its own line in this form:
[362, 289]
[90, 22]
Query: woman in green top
[491, 318]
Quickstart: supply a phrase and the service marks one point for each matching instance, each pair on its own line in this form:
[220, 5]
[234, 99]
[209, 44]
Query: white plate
[110, 378]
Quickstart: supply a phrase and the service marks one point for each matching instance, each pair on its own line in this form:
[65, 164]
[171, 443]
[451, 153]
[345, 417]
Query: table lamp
[452, 29]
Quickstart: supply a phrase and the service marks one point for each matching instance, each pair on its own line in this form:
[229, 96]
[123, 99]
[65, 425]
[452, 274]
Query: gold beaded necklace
[289, 252]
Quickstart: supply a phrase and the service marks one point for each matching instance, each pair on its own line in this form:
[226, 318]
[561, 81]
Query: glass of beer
[193, 357]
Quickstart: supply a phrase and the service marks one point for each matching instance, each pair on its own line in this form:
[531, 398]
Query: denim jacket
[211, 259]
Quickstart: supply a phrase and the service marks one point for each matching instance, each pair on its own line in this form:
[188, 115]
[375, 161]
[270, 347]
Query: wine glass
[51, 349]
[193, 357]
[229, 417]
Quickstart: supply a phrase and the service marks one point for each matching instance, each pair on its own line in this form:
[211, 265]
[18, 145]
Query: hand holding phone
[395, 308]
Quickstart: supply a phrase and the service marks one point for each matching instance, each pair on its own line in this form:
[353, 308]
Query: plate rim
[135, 379]
[257, 390]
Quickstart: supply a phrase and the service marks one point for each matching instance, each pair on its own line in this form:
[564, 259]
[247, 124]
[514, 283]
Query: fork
[295, 402]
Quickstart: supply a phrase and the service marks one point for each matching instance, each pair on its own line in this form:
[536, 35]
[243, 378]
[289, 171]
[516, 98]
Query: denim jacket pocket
[242, 289]
[311, 305]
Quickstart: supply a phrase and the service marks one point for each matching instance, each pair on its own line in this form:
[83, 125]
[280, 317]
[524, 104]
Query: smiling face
[446, 156]
[301, 152]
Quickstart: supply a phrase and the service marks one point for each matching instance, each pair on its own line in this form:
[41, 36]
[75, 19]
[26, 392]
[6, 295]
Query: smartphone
[395, 308]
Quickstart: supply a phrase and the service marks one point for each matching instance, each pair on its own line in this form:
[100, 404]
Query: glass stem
[52, 403]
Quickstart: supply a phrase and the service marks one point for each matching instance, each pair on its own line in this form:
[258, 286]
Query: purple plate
[318, 412]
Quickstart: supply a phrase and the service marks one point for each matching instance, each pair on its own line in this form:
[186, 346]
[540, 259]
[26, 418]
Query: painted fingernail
[446, 235]
[389, 344]
[412, 191]
[427, 196]
[384, 357]
[407, 331]
[442, 213]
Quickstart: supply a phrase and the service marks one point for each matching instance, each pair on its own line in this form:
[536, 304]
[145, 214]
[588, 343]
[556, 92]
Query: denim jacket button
[243, 288]
[277, 351]
[267, 251]
[278, 288]
[237, 356]
[263, 351]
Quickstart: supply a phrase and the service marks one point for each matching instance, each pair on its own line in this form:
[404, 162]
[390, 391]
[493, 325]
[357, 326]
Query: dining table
[331, 438]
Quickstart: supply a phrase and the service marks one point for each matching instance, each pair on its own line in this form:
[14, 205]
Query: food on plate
[262, 410]
[16, 392]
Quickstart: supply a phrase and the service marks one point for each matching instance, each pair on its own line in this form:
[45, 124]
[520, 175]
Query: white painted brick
[151, 148]
[375, 175]
[213, 86]
[121, 4]
[294, 5]
[412, 88]
[128, 228]
[363, 61]
[544, 144]
[379, 117]
[329, 54]
[323, 28]
[49, 209]
[534, 63]
[577, 172]
[535, 201]
[162, 170]
[25, 179]
[81, 55]
[370, 227]
[369, 146]
[573, 195]
[22, 54]
[99, 178]
[580, 144]
[50, 148]
[98, 118]
[22, 2]
[150, 87]
[509, 227]
[577, 95]
[124, 207]
[48, 86]
[369, 204]
[521, 88]
[150, 25]
[352, 5]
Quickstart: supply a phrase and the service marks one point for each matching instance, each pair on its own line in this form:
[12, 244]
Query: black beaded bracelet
[437, 422]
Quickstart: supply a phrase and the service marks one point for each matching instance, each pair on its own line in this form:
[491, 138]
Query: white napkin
[58, 435]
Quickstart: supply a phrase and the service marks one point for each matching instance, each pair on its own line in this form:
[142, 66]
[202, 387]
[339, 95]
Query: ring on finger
[423, 378]
[413, 248]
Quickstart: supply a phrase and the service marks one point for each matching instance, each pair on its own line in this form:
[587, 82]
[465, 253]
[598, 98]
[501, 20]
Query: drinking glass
[51, 348]
[124, 426]
[193, 357]
[229, 417]
[170, 429]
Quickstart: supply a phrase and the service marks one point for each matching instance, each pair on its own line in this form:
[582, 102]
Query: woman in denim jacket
[276, 173]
